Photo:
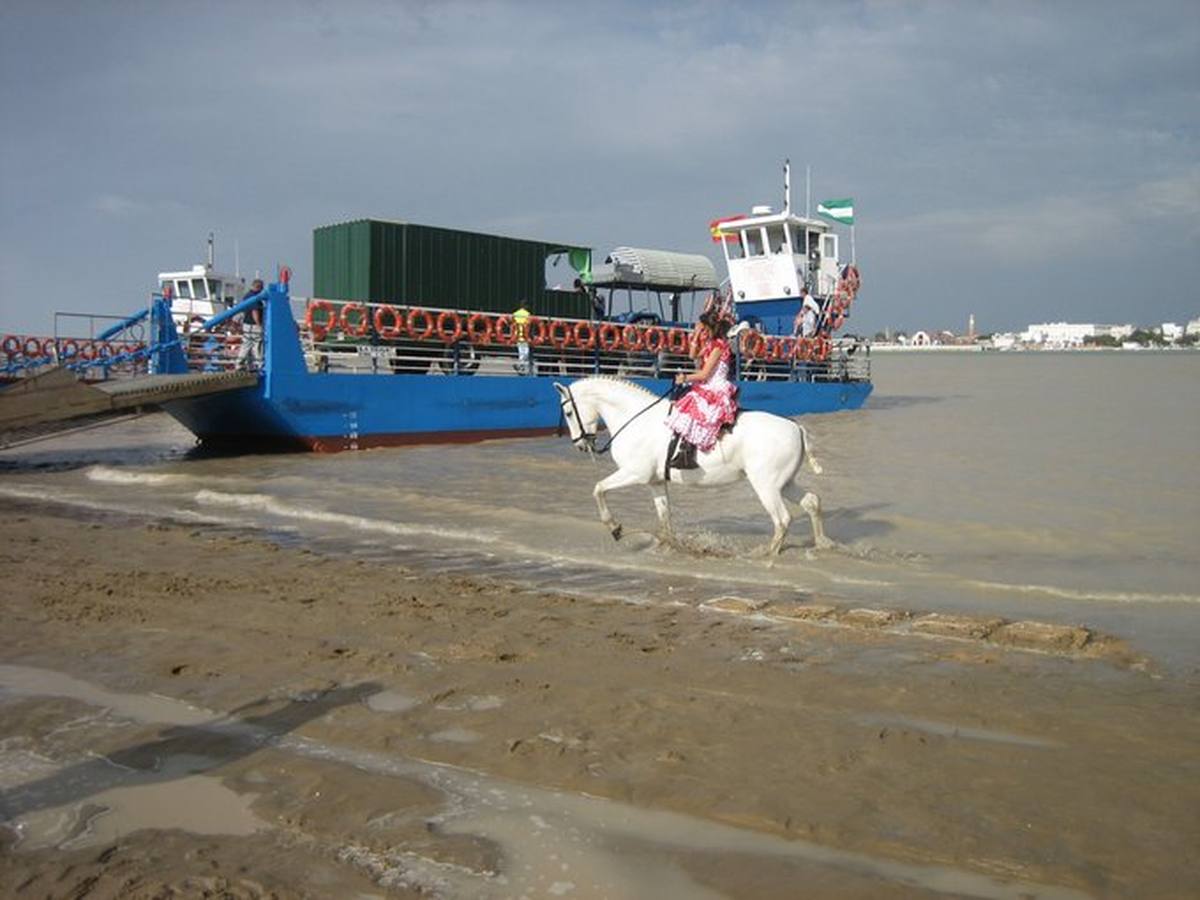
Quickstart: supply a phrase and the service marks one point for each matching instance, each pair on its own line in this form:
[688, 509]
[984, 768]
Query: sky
[1025, 162]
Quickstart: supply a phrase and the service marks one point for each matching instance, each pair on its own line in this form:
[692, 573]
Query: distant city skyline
[1022, 162]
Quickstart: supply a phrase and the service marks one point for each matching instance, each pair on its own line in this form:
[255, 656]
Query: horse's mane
[623, 382]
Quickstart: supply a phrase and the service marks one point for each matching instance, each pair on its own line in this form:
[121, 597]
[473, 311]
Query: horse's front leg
[618, 479]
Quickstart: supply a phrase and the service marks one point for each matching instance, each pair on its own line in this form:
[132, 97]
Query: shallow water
[1062, 487]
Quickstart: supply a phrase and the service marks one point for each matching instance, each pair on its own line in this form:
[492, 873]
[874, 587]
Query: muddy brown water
[1051, 486]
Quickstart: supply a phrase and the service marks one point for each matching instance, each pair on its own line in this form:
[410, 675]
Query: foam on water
[273, 506]
[1080, 594]
[109, 475]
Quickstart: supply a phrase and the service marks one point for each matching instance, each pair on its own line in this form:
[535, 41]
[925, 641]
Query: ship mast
[787, 187]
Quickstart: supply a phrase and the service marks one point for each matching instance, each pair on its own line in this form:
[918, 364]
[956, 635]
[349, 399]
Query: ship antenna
[787, 187]
[210, 250]
[808, 192]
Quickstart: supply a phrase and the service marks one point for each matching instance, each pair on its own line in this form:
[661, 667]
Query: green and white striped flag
[840, 211]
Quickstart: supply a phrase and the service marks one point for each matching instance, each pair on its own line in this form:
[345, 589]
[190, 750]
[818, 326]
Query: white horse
[767, 449]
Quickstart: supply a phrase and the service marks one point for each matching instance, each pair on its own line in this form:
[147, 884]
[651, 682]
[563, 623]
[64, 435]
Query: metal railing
[374, 338]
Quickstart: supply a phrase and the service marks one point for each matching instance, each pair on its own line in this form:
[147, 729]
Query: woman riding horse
[711, 404]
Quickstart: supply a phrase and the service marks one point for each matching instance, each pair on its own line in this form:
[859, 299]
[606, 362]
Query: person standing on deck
[805, 324]
[521, 336]
[711, 404]
[593, 300]
[250, 353]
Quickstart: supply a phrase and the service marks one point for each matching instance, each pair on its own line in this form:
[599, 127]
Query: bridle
[588, 438]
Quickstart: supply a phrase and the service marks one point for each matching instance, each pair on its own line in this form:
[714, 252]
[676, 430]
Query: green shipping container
[417, 265]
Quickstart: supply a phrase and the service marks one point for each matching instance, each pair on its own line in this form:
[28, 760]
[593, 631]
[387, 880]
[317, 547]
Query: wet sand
[194, 713]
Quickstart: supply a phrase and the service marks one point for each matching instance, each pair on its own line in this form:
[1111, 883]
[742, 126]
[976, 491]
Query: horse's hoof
[616, 533]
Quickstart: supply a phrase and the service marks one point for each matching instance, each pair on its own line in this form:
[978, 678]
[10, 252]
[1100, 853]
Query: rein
[589, 437]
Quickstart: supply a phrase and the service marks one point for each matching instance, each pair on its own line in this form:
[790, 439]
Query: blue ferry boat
[347, 374]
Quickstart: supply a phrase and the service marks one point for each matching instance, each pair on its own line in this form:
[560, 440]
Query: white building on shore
[1057, 334]
[1071, 334]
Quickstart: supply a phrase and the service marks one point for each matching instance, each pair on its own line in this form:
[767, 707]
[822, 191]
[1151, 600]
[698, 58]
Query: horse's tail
[806, 449]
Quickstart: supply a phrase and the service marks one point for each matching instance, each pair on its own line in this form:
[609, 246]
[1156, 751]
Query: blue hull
[354, 412]
[294, 408]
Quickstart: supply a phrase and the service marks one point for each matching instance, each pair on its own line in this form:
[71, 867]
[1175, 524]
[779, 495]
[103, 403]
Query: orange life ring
[353, 330]
[677, 341]
[610, 337]
[559, 333]
[631, 337]
[582, 342]
[103, 350]
[87, 351]
[11, 345]
[535, 339]
[48, 347]
[449, 335]
[394, 330]
[419, 334]
[479, 329]
[802, 348]
[320, 330]
[753, 344]
[654, 340]
[783, 349]
[823, 347]
[68, 349]
[504, 330]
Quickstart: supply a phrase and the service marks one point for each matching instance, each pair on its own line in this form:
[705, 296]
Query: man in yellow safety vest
[521, 336]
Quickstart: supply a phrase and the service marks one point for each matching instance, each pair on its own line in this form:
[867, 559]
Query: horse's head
[581, 416]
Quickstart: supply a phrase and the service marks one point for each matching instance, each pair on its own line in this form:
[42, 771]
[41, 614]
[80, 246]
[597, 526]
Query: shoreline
[942, 752]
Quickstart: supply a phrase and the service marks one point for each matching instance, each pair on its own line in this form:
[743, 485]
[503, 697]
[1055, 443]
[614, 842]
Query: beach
[261, 720]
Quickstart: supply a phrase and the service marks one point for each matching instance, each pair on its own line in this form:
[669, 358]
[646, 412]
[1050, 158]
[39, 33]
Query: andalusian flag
[840, 211]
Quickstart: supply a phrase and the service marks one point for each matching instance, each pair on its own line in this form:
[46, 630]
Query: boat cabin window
[183, 289]
[733, 246]
[776, 238]
[798, 240]
[814, 243]
[754, 242]
[830, 246]
[214, 289]
[198, 288]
